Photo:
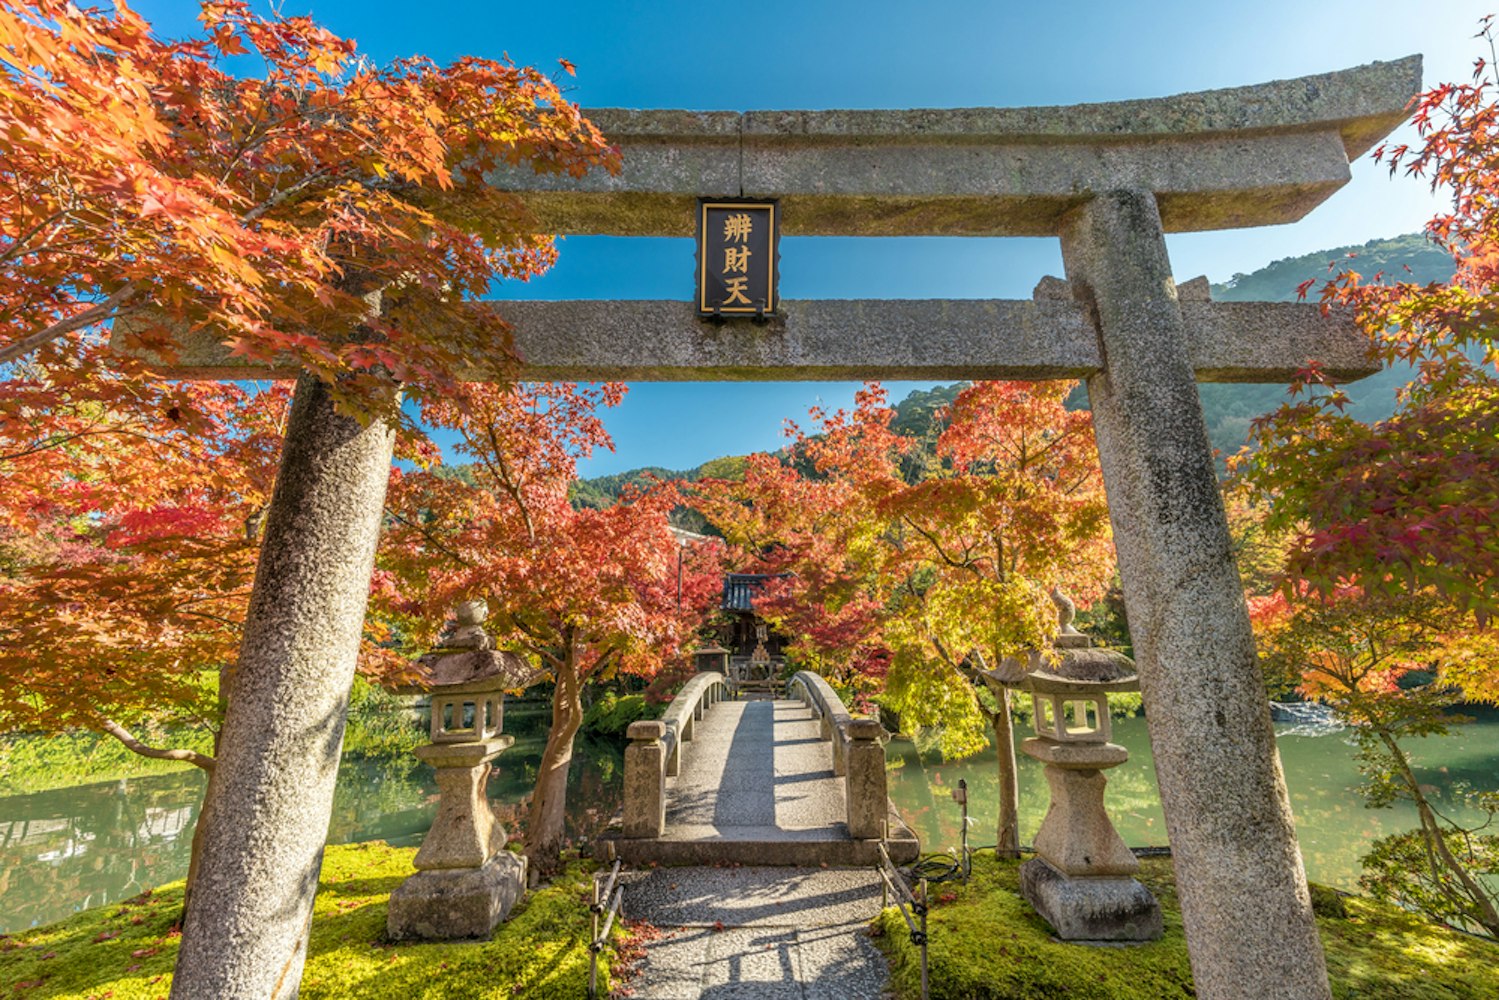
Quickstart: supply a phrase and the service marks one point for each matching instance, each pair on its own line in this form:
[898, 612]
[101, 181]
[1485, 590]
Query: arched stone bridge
[793, 781]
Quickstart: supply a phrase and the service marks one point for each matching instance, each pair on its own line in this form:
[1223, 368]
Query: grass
[126, 951]
[987, 943]
[35, 762]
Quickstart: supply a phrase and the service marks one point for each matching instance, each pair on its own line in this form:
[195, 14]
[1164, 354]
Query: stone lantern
[710, 658]
[465, 882]
[1082, 878]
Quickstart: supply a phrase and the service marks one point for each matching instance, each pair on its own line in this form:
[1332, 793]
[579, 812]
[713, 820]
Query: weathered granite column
[1248, 917]
[865, 783]
[266, 811]
[645, 780]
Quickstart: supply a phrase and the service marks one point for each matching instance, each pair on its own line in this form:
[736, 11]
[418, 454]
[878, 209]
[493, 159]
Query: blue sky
[869, 54]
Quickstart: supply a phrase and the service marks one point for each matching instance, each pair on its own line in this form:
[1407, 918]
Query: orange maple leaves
[589, 591]
[331, 212]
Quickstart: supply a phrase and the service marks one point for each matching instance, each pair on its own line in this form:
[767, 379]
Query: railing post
[645, 780]
[864, 783]
[674, 755]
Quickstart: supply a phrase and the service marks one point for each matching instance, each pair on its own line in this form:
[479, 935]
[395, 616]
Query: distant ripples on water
[1304, 718]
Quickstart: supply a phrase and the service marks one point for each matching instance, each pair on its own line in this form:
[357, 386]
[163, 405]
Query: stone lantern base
[444, 904]
[465, 882]
[1081, 879]
[1093, 908]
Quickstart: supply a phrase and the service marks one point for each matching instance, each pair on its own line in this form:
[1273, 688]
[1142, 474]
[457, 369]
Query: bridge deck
[756, 771]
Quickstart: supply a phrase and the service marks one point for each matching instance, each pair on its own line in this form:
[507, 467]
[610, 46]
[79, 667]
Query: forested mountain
[1228, 408]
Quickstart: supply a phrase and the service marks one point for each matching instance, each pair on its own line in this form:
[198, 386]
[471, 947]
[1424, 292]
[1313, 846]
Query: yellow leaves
[1470, 661]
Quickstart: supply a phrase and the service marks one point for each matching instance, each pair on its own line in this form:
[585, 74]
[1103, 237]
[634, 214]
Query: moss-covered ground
[126, 951]
[986, 943]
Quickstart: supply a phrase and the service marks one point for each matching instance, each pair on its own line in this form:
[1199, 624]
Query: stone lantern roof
[1097, 669]
[1076, 663]
[469, 671]
[465, 661]
[1073, 662]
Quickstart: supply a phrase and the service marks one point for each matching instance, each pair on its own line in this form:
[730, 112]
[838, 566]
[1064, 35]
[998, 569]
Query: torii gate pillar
[1238, 871]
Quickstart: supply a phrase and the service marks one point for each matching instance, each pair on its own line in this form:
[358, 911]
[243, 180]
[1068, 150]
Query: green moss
[612, 713]
[988, 944]
[1328, 902]
[127, 951]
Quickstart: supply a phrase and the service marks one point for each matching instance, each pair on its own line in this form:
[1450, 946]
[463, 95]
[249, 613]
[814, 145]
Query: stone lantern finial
[1067, 634]
[467, 629]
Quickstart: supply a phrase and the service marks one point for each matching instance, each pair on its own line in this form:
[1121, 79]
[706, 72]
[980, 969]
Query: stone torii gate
[1110, 180]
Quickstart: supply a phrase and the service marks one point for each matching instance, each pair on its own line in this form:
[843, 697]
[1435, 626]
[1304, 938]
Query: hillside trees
[586, 593]
[329, 213]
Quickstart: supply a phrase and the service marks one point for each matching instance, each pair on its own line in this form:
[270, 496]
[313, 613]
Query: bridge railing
[655, 753]
[858, 755]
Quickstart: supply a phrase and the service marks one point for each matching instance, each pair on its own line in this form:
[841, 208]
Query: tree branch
[93, 314]
[124, 735]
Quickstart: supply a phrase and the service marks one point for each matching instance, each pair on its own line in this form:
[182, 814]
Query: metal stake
[923, 941]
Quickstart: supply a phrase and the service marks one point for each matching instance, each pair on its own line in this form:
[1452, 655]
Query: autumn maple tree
[1395, 669]
[327, 215]
[1386, 602]
[129, 538]
[908, 571]
[1012, 509]
[799, 518]
[330, 212]
[586, 594]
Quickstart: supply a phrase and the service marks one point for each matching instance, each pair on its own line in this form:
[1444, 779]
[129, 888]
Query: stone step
[731, 850]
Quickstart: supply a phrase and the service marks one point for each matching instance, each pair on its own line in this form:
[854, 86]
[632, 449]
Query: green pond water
[69, 849]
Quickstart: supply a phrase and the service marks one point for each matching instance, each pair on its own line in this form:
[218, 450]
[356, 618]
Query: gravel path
[760, 933]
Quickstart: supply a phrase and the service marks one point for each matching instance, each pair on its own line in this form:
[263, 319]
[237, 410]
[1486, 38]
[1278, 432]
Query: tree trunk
[547, 823]
[195, 855]
[265, 815]
[1007, 832]
[1439, 854]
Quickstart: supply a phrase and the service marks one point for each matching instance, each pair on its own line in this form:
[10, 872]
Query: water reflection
[1332, 825]
[66, 850]
[70, 849]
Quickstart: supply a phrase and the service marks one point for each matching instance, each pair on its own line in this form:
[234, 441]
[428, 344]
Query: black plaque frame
[772, 212]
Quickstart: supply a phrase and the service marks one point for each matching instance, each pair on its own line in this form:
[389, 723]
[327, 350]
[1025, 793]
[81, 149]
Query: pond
[1332, 825]
[68, 849]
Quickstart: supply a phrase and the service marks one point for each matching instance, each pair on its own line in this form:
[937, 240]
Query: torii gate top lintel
[1217, 159]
